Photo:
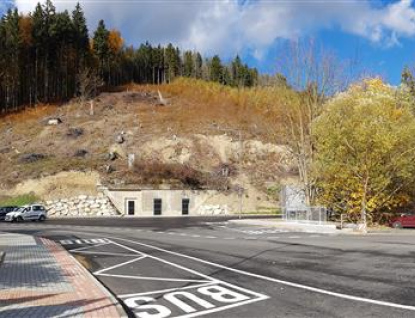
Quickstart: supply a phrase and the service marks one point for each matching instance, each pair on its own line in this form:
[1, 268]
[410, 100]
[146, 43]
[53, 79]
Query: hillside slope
[216, 132]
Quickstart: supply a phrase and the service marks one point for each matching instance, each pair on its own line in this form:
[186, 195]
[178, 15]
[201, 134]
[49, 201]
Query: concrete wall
[171, 201]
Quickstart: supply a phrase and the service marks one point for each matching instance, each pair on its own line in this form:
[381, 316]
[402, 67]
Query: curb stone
[114, 300]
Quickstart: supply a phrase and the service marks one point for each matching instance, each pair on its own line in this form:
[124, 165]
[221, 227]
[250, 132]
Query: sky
[378, 34]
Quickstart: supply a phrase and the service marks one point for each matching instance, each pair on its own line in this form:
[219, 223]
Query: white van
[33, 212]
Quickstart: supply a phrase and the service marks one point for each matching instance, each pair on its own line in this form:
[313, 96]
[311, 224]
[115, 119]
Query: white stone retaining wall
[213, 210]
[81, 206]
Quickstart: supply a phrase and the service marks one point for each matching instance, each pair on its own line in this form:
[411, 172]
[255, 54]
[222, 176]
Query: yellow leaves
[374, 85]
[115, 41]
[367, 133]
[25, 29]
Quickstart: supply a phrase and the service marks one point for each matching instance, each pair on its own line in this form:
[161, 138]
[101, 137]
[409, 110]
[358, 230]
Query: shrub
[20, 200]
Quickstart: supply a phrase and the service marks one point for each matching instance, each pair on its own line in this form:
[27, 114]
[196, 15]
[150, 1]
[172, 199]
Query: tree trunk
[91, 110]
[363, 219]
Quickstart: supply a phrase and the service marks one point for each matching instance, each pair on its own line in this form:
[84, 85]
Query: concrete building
[163, 202]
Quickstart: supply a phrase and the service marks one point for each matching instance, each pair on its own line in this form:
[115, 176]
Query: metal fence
[307, 215]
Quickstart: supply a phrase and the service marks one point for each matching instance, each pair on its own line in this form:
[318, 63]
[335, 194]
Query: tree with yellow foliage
[365, 150]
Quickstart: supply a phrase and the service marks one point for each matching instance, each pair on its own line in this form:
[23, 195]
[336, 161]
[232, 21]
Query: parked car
[33, 212]
[6, 209]
[404, 220]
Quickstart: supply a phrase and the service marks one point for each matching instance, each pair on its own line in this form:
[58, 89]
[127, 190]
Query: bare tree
[315, 74]
[89, 82]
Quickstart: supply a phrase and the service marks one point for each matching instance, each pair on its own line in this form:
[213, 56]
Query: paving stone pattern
[38, 278]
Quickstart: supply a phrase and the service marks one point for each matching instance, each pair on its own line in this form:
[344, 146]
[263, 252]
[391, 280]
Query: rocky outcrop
[81, 206]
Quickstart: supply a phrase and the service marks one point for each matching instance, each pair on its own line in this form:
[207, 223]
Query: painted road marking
[271, 279]
[164, 279]
[119, 265]
[164, 290]
[85, 248]
[192, 302]
[259, 231]
[83, 241]
[197, 298]
[189, 301]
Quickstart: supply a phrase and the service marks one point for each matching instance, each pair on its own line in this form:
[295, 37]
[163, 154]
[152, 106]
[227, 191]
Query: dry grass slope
[197, 112]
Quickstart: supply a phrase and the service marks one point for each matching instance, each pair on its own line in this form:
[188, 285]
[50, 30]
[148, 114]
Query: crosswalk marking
[83, 241]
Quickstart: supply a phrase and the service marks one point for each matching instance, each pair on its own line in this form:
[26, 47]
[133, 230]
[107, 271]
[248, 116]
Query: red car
[405, 220]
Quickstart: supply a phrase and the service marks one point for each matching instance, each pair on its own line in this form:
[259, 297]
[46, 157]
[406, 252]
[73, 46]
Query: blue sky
[380, 34]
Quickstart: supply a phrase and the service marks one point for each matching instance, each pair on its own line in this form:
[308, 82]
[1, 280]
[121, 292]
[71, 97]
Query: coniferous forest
[44, 54]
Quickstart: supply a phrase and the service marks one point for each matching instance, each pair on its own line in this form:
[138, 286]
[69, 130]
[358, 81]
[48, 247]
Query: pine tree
[237, 72]
[188, 64]
[101, 48]
[198, 66]
[42, 55]
[12, 45]
[81, 37]
[216, 69]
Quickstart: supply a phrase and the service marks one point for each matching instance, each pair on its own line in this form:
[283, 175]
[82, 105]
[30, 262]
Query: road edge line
[275, 280]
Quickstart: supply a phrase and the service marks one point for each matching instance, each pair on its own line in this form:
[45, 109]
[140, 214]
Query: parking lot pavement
[40, 279]
[200, 271]
[206, 230]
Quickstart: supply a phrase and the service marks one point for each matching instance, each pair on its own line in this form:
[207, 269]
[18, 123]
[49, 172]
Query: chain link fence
[306, 214]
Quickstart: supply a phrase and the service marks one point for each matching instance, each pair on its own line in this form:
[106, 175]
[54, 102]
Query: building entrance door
[131, 207]
[185, 206]
[157, 207]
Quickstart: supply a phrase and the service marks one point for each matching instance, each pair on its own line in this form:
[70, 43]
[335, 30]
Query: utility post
[240, 158]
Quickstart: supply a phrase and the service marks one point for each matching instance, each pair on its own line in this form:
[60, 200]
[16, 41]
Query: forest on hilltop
[44, 54]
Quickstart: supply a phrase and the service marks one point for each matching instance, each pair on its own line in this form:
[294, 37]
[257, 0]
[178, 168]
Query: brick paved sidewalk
[38, 278]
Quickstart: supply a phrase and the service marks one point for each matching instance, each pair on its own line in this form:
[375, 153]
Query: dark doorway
[157, 207]
[185, 206]
[131, 207]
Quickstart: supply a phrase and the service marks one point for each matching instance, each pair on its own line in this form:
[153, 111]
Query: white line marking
[104, 253]
[165, 290]
[294, 237]
[210, 237]
[259, 297]
[195, 235]
[167, 262]
[87, 247]
[155, 278]
[204, 312]
[282, 282]
[65, 242]
[118, 265]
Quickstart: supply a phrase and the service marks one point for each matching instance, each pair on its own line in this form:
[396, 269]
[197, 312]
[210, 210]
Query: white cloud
[228, 27]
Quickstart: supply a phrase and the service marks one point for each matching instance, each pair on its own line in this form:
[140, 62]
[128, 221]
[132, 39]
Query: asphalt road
[208, 267]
